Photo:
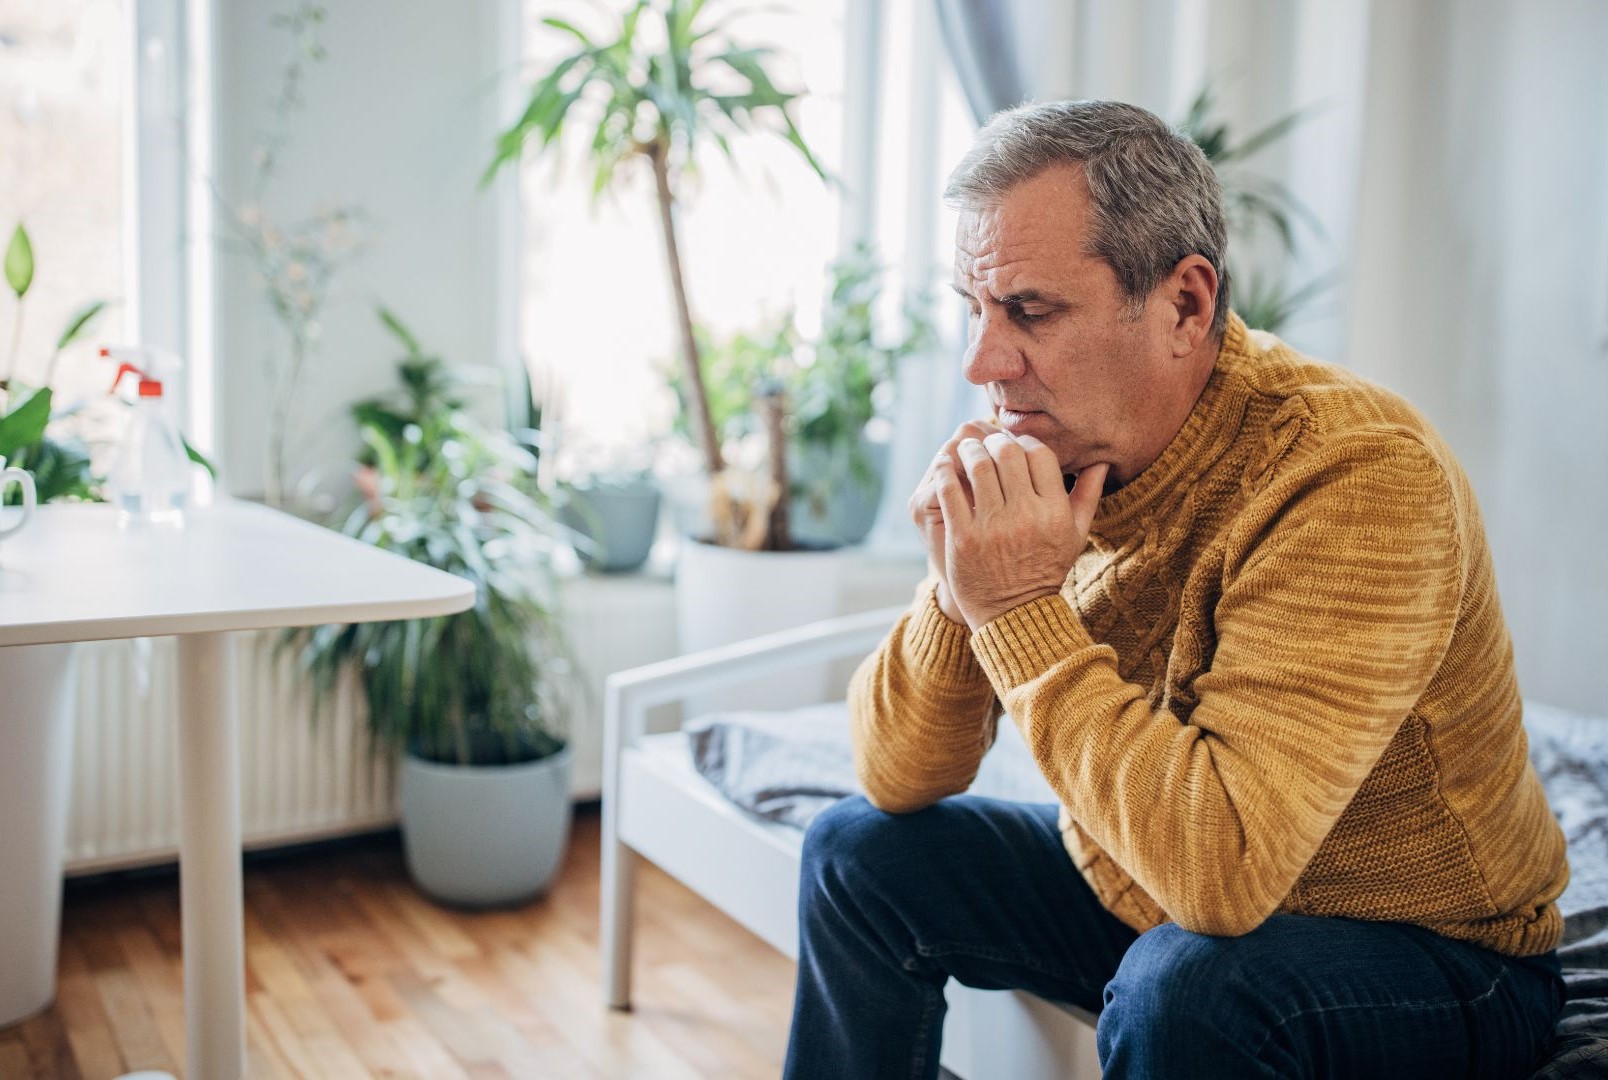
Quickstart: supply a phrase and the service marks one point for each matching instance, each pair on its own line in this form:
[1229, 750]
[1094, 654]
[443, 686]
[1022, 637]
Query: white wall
[399, 121]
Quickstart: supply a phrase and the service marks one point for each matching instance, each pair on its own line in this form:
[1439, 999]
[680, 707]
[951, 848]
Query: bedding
[789, 766]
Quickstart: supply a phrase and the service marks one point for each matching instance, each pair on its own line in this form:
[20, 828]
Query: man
[1255, 648]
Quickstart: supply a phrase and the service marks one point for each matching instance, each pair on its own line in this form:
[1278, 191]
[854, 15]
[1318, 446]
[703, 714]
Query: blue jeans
[893, 906]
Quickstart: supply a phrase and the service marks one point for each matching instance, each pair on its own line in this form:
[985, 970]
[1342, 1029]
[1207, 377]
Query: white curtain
[1478, 286]
[1455, 154]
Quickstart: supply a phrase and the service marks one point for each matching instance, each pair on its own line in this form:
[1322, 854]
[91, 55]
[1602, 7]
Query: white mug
[29, 494]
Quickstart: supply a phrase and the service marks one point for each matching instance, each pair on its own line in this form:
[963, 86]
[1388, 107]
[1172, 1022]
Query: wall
[399, 120]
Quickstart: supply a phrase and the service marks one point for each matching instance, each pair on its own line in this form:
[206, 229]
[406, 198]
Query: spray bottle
[149, 479]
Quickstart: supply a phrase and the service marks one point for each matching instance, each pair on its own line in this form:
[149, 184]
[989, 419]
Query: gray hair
[1154, 197]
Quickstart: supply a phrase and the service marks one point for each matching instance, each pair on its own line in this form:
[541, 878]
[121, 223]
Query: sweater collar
[1208, 430]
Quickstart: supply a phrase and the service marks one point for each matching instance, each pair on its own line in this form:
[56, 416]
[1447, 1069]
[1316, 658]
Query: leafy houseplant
[1251, 204]
[488, 685]
[657, 98]
[474, 700]
[833, 384]
[60, 465]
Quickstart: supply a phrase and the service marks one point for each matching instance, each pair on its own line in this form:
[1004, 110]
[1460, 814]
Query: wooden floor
[350, 972]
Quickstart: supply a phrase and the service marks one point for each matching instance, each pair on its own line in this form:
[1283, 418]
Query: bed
[703, 803]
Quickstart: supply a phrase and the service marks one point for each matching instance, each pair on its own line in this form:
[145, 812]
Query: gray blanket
[789, 766]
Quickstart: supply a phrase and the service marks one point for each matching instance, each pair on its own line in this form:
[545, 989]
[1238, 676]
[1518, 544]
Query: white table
[72, 576]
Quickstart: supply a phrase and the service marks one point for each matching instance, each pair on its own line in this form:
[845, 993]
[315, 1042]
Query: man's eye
[1023, 316]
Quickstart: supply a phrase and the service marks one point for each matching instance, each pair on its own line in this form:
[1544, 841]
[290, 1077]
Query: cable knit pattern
[1277, 679]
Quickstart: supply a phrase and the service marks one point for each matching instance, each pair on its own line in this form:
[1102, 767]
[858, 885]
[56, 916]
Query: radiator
[299, 780]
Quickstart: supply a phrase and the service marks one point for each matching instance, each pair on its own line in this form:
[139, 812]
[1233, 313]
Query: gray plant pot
[851, 506]
[485, 835]
[621, 518]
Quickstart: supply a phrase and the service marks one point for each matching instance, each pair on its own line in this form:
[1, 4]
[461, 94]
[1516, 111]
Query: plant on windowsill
[296, 261]
[475, 702]
[658, 98]
[835, 383]
[36, 432]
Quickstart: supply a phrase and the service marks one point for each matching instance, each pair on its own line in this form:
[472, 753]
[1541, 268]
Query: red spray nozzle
[149, 387]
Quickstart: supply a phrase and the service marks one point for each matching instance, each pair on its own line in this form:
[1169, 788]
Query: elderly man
[1255, 648]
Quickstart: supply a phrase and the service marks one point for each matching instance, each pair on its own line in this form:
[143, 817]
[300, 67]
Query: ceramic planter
[725, 595]
[485, 835]
[620, 518]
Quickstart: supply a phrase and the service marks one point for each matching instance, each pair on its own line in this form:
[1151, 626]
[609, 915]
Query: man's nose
[990, 355]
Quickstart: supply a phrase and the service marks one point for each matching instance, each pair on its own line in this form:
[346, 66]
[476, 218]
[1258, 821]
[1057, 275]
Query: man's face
[1051, 335]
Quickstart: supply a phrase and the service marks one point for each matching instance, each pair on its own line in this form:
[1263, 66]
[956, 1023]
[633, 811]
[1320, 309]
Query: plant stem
[279, 423]
[657, 152]
[16, 344]
[774, 404]
[50, 368]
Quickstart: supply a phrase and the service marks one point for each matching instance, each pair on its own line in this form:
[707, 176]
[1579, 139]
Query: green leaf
[19, 262]
[398, 330]
[25, 425]
[1270, 134]
[198, 458]
[79, 323]
[568, 28]
[60, 468]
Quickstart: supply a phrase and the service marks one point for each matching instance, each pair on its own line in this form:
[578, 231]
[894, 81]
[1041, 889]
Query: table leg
[210, 893]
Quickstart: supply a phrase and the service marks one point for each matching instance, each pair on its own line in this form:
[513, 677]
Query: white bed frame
[656, 806]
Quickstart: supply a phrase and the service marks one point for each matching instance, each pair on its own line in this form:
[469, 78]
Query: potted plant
[658, 99]
[474, 702]
[836, 384]
[839, 467]
[617, 509]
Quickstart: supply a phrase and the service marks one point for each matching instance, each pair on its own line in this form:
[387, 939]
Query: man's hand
[1011, 530]
[929, 518]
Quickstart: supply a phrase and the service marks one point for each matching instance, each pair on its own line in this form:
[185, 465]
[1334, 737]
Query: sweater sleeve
[1340, 590]
[922, 713]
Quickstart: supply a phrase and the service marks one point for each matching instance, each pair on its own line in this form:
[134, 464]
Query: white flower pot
[725, 595]
[37, 695]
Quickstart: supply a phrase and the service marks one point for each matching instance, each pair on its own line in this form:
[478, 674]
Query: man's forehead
[1038, 222]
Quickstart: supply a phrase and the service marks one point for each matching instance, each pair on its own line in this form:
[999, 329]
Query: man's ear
[1191, 291]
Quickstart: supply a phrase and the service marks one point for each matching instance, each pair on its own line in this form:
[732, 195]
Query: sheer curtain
[1454, 154]
[1478, 286]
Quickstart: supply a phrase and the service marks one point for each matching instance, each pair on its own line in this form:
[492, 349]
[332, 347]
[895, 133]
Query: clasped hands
[1000, 527]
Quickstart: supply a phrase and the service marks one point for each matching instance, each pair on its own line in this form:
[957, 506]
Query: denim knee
[843, 840]
[1172, 983]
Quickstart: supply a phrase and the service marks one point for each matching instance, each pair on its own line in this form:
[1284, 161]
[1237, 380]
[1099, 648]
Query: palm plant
[1253, 204]
[658, 98]
[488, 685]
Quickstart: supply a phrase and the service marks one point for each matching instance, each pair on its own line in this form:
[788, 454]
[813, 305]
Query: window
[63, 72]
[597, 322]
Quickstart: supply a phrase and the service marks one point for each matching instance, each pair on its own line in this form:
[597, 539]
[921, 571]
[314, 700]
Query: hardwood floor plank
[14, 1063]
[351, 972]
[161, 984]
[89, 1032]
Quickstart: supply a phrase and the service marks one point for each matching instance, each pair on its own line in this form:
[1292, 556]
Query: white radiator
[298, 780]
[305, 781]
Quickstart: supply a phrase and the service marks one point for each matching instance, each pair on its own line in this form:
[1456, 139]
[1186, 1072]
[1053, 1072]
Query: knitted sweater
[1277, 680]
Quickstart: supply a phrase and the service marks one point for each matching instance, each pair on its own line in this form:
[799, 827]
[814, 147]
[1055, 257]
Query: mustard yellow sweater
[1277, 680]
